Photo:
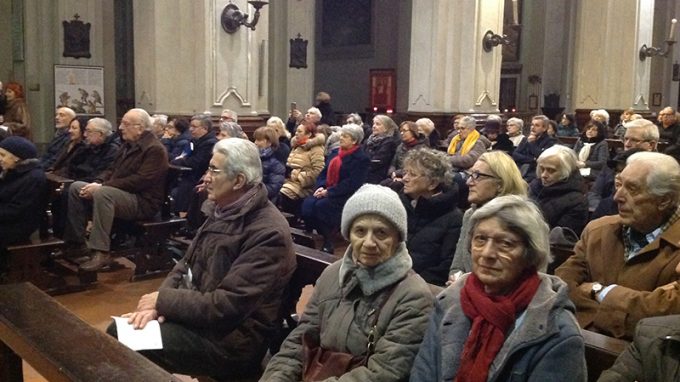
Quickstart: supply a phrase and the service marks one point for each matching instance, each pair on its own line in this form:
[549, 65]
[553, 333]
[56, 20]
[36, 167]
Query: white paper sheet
[585, 171]
[148, 338]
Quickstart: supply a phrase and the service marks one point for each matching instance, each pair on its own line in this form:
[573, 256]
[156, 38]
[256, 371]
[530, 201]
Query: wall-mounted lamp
[233, 18]
[651, 51]
[491, 39]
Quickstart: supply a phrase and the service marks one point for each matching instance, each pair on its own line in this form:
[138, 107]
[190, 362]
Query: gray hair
[230, 114]
[663, 177]
[436, 165]
[315, 111]
[567, 159]
[521, 216]
[467, 122]
[543, 118]
[602, 113]
[204, 119]
[231, 129]
[68, 111]
[649, 130]
[241, 157]
[144, 118]
[333, 141]
[353, 130]
[426, 124]
[355, 118]
[516, 121]
[389, 124]
[160, 118]
[101, 125]
[494, 117]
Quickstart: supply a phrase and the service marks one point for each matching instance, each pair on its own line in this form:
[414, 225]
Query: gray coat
[462, 260]
[340, 309]
[545, 344]
[654, 354]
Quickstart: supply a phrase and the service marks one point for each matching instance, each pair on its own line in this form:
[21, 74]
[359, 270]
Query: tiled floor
[113, 295]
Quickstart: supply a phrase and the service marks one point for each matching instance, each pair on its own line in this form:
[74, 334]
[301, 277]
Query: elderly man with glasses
[132, 188]
[669, 128]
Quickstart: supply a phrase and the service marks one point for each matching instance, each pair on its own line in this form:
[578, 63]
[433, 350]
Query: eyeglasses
[475, 175]
[635, 141]
[90, 131]
[502, 244]
[128, 124]
[213, 170]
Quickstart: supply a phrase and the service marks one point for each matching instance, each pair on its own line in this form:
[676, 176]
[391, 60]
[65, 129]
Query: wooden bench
[307, 239]
[60, 346]
[601, 352]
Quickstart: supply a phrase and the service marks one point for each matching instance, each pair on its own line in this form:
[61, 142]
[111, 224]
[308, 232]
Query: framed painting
[346, 28]
[79, 87]
[383, 89]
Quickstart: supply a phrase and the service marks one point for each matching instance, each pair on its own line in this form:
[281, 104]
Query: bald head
[63, 117]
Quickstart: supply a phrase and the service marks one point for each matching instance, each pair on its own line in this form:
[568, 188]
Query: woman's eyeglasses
[475, 175]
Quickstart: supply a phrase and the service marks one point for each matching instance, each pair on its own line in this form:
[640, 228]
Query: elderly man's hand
[138, 320]
[88, 190]
[148, 301]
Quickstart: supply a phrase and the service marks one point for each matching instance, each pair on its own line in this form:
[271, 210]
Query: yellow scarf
[467, 144]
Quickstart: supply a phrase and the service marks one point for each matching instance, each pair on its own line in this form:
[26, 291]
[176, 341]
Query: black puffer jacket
[433, 231]
[380, 150]
[22, 197]
[563, 204]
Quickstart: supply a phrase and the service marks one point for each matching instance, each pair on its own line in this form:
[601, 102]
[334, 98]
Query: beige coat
[306, 162]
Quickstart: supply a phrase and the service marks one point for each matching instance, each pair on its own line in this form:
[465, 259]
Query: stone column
[185, 63]
[449, 70]
[607, 72]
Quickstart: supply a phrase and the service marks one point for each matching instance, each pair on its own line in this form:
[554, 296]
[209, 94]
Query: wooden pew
[59, 345]
[307, 239]
[601, 352]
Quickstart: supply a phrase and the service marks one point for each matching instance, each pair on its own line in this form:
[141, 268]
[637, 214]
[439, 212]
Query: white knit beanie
[374, 199]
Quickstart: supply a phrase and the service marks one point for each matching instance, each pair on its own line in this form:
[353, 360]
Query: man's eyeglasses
[635, 141]
[213, 170]
[475, 175]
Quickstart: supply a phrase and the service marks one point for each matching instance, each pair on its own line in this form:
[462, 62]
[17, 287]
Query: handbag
[320, 364]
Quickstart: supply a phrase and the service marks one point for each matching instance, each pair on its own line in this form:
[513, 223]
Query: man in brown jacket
[624, 266]
[132, 188]
[219, 305]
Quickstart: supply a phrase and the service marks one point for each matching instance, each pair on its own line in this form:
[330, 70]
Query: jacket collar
[372, 280]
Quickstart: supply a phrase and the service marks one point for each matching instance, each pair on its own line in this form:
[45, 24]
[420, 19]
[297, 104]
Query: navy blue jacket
[273, 173]
[199, 159]
[177, 145]
[55, 147]
[22, 198]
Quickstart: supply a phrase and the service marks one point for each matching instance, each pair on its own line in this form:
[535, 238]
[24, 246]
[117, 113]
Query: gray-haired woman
[506, 320]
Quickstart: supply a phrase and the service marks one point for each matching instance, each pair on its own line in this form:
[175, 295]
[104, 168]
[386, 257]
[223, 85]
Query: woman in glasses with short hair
[494, 174]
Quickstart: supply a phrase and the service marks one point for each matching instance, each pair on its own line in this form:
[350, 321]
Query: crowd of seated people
[504, 175]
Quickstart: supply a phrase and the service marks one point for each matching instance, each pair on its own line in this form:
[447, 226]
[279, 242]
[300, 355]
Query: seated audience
[410, 140]
[370, 299]
[76, 132]
[100, 150]
[313, 116]
[568, 127]
[467, 145]
[132, 188]
[507, 320]
[230, 130]
[669, 126]
[159, 121]
[282, 149]
[592, 149]
[653, 355]
[600, 115]
[16, 116]
[305, 163]
[430, 198]
[514, 128]
[62, 118]
[273, 171]
[528, 151]
[340, 178]
[177, 137]
[218, 306]
[202, 140]
[228, 116]
[552, 129]
[558, 189]
[380, 148]
[626, 116]
[494, 174]
[355, 118]
[22, 191]
[624, 266]
[426, 127]
[604, 186]
[499, 140]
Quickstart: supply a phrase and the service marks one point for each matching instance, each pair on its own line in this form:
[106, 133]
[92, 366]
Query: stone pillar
[449, 70]
[185, 63]
[607, 72]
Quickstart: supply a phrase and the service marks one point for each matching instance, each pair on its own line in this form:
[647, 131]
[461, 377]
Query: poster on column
[80, 88]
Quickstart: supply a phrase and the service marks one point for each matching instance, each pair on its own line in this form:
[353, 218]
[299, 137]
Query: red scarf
[301, 141]
[333, 175]
[492, 317]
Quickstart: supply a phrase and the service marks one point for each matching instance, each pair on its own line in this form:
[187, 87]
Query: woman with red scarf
[342, 176]
[506, 320]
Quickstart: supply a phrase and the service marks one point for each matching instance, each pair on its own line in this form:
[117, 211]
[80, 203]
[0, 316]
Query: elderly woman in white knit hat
[369, 310]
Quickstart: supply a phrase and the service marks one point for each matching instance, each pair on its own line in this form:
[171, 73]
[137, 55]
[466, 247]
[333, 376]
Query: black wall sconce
[232, 17]
[651, 51]
[491, 39]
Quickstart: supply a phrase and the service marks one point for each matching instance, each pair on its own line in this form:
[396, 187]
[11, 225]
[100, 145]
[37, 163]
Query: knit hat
[378, 200]
[354, 130]
[20, 147]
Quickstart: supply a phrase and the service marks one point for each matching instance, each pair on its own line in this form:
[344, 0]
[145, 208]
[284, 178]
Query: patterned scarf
[467, 144]
[492, 317]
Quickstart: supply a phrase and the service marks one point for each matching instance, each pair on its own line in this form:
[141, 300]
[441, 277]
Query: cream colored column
[450, 72]
[607, 71]
[186, 63]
